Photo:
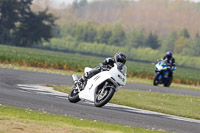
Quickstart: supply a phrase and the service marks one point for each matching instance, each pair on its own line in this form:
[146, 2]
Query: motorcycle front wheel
[73, 96]
[103, 98]
[156, 80]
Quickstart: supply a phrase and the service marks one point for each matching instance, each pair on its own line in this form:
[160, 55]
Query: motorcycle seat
[87, 69]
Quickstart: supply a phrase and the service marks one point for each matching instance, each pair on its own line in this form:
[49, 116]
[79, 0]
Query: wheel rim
[100, 96]
[156, 82]
[74, 92]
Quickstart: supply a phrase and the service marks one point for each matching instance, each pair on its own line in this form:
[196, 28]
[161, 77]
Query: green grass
[185, 106]
[22, 120]
[77, 62]
[173, 85]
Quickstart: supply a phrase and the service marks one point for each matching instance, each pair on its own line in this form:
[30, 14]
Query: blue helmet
[169, 54]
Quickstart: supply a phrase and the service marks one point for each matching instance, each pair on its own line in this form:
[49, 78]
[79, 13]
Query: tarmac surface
[20, 89]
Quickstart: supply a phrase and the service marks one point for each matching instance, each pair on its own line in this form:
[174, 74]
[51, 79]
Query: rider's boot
[84, 78]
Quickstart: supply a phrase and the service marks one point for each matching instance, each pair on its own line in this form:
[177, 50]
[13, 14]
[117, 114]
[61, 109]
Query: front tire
[73, 96]
[156, 80]
[102, 99]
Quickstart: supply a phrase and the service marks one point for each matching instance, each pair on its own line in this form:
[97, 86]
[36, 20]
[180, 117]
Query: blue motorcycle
[162, 74]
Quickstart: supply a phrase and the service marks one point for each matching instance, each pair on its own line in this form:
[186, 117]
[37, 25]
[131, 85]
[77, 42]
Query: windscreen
[164, 62]
[122, 68]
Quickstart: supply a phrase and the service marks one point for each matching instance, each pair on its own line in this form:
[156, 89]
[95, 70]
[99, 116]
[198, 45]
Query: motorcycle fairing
[120, 78]
[92, 84]
[114, 75]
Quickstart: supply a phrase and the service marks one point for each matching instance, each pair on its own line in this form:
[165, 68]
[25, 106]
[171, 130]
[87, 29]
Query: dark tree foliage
[152, 41]
[34, 28]
[168, 42]
[109, 34]
[85, 32]
[118, 36]
[197, 35]
[21, 26]
[104, 34]
[80, 3]
[11, 12]
[136, 39]
[185, 33]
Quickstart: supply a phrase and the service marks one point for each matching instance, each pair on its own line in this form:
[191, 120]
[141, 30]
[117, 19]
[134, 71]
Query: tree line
[158, 16]
[20, 26]
[177, 42]
[69, 44]
[137, 24]
[109, 34]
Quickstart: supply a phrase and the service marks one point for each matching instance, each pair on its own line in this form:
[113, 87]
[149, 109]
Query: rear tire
[73, 96]
[168, 82]
[104, 100]
[156, 80]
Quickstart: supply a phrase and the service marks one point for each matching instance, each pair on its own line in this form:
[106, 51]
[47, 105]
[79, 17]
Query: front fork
[76, 82]
[102, 91]
[162, 79]
[159, 78]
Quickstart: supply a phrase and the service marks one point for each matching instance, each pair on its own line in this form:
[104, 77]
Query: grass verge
[22, 120]
[184, 106]
[173, 85]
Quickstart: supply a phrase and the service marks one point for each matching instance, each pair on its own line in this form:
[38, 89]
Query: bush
[142, 54]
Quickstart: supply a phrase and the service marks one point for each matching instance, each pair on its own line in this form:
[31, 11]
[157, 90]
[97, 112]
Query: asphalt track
[13, 95]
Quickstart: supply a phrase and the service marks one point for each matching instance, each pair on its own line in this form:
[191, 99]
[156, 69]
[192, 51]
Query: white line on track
[49, 91]
[42, 90]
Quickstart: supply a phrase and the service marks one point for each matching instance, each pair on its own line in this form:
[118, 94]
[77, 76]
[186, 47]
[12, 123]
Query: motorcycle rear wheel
[73, 96]
[168, 82]
[102, 100]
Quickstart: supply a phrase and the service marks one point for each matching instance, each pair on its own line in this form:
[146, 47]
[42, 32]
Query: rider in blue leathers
[170, 61]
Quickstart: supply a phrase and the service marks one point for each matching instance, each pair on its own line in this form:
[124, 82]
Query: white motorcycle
[101, 87]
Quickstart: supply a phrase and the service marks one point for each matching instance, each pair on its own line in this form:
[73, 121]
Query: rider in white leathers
[106, 64]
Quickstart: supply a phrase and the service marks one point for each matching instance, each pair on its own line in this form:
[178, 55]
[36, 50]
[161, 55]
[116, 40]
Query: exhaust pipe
[75, 78]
